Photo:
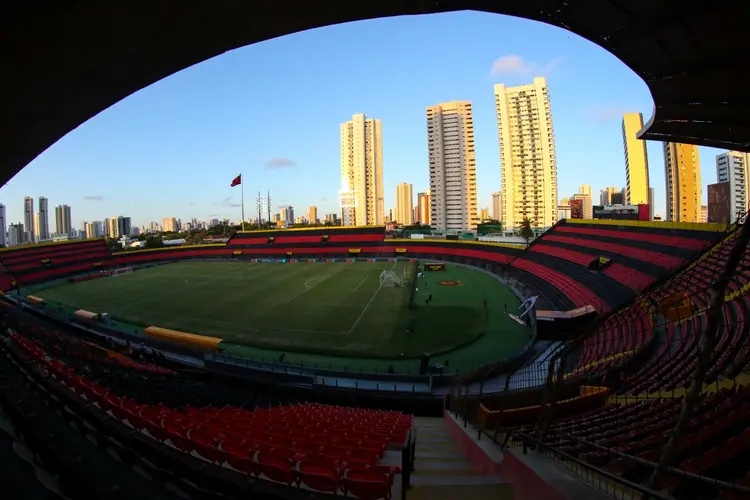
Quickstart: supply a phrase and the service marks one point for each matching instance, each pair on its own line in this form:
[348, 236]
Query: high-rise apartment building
[484, 214]
[120, 226]
[3, 227]
[362, 194]
[37, 237]
[287, 215]
[733, 167]
[423, 207]
[168, 225]
[28, 220]
[497, 206]
[453, 170]
[43, 229]
[93, 229]
[312, 215]
[16, 235]
[607, 195]
[636, 161]
[682, 174]
[404, 204]
[527, 154]
[63, 221]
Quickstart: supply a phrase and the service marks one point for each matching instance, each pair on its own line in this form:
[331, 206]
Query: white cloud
[515, 65]
[276, 163]
[600, 115]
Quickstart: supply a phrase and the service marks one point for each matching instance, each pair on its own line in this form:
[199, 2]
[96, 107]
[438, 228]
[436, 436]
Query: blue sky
[272, 111]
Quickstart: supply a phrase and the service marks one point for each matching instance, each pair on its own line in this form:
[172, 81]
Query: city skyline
[177, 141]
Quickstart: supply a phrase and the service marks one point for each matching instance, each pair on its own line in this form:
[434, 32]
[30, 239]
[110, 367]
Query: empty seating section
[609, 292]
[317, 447]
[667, 261]
[675, 361]
[618, 336]
[21, 258]
[632, 278]
[310, 237]
[693, 240]
[716, 442]
[578, 293]
[48, 261]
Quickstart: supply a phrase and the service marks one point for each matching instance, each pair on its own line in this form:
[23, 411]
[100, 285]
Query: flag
[236, 181]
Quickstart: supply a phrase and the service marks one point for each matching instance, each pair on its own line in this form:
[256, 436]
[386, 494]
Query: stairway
[442, 472]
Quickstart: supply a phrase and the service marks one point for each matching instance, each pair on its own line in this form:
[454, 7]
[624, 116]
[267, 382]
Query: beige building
[682, 174]
[606, 195]
[527, 154]
[588, 207]
[636, 161]
[312, 214]
[63, 220]
[497, 206]
[453, 170]
[423, 207]
[484, 214]
[168, 225]
[404, 204]
[362, 193]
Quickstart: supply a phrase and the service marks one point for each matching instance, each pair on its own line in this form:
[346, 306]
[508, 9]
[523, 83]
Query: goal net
[389, 278]
[121, 271]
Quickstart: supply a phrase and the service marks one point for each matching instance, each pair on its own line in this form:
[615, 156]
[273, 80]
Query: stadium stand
[653, 297]
[647, 355]
[311, 446]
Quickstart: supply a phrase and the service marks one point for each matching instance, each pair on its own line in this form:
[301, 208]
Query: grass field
[313, 312]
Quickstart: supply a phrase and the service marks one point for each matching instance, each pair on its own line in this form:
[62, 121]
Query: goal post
[120, 271]
[389, 278]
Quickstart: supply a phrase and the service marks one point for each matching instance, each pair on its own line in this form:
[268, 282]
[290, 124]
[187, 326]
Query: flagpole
[242, 190]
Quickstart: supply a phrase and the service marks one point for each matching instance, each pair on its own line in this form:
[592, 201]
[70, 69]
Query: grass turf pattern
[326, 314]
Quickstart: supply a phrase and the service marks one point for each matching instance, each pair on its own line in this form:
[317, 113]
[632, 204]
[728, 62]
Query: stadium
[608, 359]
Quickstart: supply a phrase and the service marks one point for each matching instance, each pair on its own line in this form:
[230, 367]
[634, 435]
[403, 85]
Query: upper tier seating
[640, 256]
[670, 363]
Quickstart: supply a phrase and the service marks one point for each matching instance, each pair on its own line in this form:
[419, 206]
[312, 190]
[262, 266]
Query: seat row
[340, 456]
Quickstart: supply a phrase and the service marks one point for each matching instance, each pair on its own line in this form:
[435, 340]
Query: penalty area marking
[368, 305]
[316, 281]
[320, 278]
[360, 283]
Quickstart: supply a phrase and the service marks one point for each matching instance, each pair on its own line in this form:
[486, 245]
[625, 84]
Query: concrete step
[458, 491]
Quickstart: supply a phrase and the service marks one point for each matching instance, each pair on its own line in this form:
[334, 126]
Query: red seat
[242, 464]
[274, 468]
[366, 485]
[319, 477]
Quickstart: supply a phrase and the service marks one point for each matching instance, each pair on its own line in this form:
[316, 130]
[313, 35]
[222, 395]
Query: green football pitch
[318, 314]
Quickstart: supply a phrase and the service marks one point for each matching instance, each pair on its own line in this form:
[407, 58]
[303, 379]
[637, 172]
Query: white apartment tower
[28, 219]
[362, 193]
[497, 206]
[404, 204]
[733, 167]
[43, 228]
[287, 215]
[3, 227]
[453, 171]
[527, 154]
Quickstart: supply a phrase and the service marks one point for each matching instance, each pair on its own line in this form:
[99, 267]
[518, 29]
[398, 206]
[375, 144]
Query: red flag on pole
[236, 181]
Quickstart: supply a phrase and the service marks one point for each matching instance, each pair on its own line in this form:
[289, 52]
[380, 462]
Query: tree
[525, 230]
[153, 242]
